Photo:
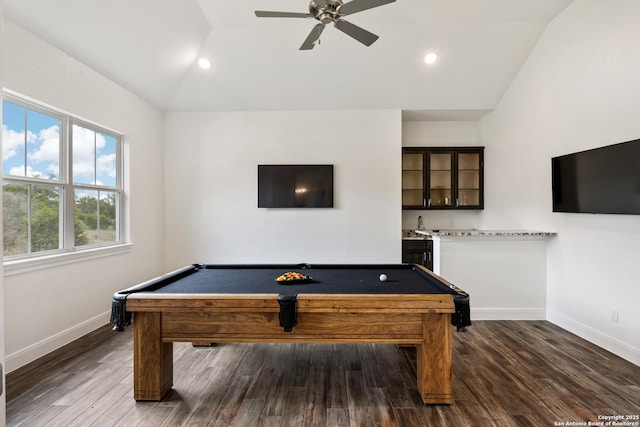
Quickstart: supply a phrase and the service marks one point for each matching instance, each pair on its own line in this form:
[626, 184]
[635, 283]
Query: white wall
[505, 276]
[48, 308]
[579, 89]
[211, 187]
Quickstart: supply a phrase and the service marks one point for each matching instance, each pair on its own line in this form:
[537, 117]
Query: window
[62, 184]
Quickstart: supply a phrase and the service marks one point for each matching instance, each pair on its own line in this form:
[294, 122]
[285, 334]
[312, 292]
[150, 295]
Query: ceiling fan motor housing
[326, 14]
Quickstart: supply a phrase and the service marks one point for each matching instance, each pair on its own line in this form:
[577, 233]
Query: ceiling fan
[328, 11]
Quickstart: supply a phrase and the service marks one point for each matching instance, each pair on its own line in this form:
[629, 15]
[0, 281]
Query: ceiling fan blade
[321, 3]
[313, 37]
[360, 34]
[270, 14]
[360, 5]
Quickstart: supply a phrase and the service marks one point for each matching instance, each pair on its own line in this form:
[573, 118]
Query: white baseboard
[596, 337]
[508, 313]
[29, 354]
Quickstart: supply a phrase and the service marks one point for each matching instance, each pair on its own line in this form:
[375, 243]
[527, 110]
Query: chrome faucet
[420, 223]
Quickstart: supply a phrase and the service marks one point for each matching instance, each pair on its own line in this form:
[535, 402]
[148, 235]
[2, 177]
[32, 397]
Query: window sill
[41, 263]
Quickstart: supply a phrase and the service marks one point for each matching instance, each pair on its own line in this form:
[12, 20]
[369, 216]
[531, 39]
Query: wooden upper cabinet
[469, 182]
[413, 183]
[443, 178]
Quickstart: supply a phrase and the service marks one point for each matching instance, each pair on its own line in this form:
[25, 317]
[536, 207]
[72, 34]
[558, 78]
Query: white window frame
[69, 253]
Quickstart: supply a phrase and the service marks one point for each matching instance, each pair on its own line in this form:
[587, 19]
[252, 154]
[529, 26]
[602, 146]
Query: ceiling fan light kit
[331, 11]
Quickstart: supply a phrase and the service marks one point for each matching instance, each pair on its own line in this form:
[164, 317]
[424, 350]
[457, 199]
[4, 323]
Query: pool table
[204, 303]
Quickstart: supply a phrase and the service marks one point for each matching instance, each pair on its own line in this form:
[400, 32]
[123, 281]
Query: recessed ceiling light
[204, 63]
[431, 58]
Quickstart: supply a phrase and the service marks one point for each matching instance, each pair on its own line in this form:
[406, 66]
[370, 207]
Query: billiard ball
[383, 277]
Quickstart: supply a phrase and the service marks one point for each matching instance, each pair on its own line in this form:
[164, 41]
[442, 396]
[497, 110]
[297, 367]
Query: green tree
[15, 220]
[45, 218]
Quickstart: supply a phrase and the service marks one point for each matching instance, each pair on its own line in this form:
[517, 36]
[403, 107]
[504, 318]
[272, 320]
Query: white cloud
[49, 145]
[87, 145]
[12, 141]
[106, 165]
[19, 171]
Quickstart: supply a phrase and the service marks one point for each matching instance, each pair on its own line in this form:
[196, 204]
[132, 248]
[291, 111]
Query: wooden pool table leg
[434, 359]
[152, 358]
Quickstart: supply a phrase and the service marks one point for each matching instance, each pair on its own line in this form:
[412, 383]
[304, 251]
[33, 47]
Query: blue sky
[37, 135]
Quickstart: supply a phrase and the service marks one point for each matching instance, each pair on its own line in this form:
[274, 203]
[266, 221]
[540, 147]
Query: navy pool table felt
[325, 280]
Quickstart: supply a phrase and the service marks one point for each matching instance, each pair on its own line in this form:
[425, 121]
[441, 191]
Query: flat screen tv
[603, 180]
[295, 186]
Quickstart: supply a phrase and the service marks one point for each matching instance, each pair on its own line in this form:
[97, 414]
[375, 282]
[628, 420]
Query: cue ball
[383, 277]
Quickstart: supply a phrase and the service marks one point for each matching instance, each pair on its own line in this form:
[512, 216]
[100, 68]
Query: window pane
[108, 208]
[106, 152]
[43, 146]
[95, 217]
[84, 155]
[31, 220]
[86, 217]
[13, 139]
[16, 218]
[31, 143]
[45, 218]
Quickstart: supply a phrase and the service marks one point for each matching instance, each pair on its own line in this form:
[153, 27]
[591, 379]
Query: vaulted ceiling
[151, 47]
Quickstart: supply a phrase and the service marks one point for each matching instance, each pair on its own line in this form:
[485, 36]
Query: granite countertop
[486, 233]
[408, 234]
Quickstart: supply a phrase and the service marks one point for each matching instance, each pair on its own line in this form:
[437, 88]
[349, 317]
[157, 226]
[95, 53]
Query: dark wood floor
[505, 373]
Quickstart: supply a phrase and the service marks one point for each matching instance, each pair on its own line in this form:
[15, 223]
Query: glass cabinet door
[413, 179]
[468, 185]
[440, 179]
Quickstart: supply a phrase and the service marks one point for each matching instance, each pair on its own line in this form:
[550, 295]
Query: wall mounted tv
[603, 180]
[295, 186]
